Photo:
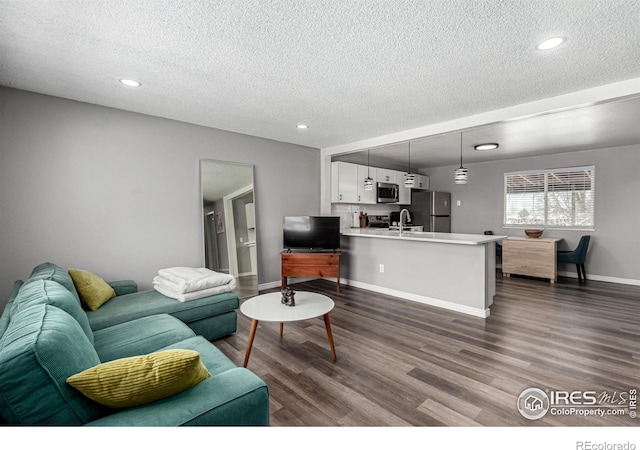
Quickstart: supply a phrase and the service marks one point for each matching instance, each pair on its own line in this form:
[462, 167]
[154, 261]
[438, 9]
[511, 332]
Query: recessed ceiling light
[131, 83]
[550, 43]
[486, 147]
[302, 126]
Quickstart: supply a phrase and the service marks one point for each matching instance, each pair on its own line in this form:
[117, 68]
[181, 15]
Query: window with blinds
[555, 198]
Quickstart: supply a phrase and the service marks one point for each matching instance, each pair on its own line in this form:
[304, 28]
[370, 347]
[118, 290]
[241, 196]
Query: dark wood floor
[401, 363]
[246, 286]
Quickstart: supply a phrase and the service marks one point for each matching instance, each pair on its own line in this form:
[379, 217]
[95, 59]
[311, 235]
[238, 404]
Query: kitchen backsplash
[346, 211]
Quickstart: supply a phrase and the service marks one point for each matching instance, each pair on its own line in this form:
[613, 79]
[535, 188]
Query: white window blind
[554, 198]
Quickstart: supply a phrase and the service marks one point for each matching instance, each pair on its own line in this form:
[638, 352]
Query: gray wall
[614, 250]
[118, 193]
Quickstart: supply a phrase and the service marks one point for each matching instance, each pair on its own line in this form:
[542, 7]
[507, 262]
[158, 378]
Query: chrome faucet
[400, 225]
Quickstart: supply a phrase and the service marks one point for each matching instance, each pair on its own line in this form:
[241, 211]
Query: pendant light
[461, 174]
[368, 182]
[409, 178]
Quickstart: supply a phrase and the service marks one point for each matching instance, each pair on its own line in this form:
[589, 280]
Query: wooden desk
[310, 264]
[534, 257]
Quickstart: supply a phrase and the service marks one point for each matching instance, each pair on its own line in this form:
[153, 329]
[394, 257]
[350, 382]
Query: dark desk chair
[577, 257]
[498, 245]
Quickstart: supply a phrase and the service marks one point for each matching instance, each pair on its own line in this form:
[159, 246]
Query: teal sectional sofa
[46, 336]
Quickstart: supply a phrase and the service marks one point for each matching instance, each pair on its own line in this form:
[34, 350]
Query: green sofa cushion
[210, 355]
[139, 336]
[231, 396]
[46, 291]
[145, 303]
[50, 271]
[42, 347]
[123, 287]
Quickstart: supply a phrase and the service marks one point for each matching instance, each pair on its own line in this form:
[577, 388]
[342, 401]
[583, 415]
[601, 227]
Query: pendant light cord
[460, 149]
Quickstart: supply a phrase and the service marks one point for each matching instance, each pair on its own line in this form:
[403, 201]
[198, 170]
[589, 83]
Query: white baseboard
[483, 313]
[605, 278]
[269, 285]
[394, 293]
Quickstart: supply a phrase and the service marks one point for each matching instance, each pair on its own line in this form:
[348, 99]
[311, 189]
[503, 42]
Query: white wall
[118, 193]
[614, 253]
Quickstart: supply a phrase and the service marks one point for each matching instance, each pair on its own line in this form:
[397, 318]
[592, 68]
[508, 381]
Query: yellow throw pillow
[94, 291]
[137, 380]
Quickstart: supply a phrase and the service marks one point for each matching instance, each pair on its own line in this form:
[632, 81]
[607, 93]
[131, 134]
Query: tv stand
[310, 264]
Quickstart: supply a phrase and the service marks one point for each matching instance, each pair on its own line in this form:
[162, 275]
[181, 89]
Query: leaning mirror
[228, 210]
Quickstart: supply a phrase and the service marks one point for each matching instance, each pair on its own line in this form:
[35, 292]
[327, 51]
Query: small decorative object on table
[533, 233]
[288, 297]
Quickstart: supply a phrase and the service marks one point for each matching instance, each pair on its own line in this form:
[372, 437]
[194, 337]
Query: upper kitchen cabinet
[364, 196]
[385, 175]
[422, 182]
[344, 182]
[347, 183]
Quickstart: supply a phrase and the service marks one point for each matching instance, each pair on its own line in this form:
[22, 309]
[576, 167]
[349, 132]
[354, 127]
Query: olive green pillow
[137, 380]
[93, 290]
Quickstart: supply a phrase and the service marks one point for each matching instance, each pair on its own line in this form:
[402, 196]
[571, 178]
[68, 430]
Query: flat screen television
[311, 232]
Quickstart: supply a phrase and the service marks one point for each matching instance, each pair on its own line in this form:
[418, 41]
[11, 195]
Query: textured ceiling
[351, 70]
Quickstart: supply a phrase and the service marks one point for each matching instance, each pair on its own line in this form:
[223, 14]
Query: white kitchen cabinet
[347, 183]
[385, 175]
[344, 182]
[422, 182]
[367, 197]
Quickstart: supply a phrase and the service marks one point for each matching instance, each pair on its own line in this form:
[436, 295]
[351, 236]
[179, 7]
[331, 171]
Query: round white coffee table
[269, 308]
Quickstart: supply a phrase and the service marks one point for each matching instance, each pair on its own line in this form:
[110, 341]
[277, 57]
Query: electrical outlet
[241, 240]
[381, 268]
[459, 203]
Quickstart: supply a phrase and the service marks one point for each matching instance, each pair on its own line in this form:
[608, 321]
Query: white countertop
[424, 236]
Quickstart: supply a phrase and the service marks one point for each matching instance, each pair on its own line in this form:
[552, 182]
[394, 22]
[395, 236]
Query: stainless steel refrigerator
[432, 210]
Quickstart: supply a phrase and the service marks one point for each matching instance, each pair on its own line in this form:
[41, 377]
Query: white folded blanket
[193, 295]
[183, 280]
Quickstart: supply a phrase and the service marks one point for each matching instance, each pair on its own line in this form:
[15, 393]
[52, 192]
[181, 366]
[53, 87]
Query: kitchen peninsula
[449, 270]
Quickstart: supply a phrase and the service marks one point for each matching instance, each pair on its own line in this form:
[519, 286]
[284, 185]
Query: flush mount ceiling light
[486, 147]
[461, 173]
[550, 43]
[302, 126]
[409, 178]
[368, 182]
[130, 83]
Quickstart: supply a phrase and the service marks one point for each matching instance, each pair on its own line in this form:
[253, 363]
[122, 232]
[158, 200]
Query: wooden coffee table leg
[252, 334]
[328, 325]
[281, 327]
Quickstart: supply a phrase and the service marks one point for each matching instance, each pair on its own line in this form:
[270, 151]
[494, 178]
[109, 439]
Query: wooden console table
[534, 257]
[310, 264]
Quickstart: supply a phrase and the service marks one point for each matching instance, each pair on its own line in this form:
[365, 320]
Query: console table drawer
[310, 265]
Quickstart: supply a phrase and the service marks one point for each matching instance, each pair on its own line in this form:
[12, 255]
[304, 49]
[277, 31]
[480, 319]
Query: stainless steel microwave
[387, 193]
